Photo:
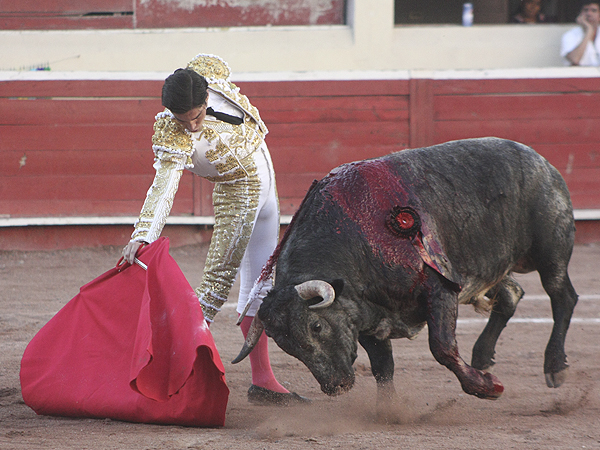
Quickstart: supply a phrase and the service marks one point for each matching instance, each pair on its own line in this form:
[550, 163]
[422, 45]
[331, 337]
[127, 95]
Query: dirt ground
[432, 411]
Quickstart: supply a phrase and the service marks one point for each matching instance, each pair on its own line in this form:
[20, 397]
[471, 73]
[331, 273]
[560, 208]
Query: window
[486, 11]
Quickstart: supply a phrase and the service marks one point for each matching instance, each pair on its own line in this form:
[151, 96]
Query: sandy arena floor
[433, 411]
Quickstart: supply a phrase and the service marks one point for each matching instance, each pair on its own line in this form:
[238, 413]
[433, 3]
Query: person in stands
[530, 11]
[580, 46]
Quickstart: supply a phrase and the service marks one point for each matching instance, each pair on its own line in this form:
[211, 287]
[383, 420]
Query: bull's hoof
[554, 380]
[488, 387]
[497, 389]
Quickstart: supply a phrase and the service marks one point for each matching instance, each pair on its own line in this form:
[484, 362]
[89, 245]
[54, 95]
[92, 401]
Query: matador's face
[193, 119]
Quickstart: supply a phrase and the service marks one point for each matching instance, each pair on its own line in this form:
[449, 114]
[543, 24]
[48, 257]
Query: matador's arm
[172, 147]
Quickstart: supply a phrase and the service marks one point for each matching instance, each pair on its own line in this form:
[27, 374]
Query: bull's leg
[563, 299]
[552, 252]
[442, 312]
[382, 365]
[506, 295]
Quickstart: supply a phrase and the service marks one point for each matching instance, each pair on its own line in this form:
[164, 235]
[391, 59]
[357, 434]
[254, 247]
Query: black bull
[394, 243]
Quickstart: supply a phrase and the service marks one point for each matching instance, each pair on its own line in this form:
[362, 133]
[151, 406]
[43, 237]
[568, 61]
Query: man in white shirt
[581, 46]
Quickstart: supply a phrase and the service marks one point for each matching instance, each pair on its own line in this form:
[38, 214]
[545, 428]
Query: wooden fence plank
[65, 14]
[517, 85]
[70, 208]
[334, 135]
[74, 112]
[344, 88]
[530, 132]
[72, 14]
[294, 159]
[64, 6]
[84, 137]
[95, 208]
[160, 14]
[570, 155]
[81, 88]
[421, 113]
[36, 162]
[45, 22]
[332, 109]
[324, 136]
[85, 188]
[513, 107]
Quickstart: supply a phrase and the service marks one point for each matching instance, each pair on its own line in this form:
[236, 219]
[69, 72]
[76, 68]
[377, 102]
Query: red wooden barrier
[106, 14]
[161, 14]
[82, 147]
[557, 117]
[65, 14]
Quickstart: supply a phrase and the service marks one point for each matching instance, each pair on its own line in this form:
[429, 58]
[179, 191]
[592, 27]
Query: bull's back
[490, 199]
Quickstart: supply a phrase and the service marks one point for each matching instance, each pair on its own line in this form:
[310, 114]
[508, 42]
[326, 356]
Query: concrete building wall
[368, 42]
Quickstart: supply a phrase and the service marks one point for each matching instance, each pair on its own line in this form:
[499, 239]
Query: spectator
[580, 46]
[530, 11]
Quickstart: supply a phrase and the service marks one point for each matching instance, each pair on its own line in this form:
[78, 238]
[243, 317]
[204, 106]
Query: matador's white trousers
[245, 235]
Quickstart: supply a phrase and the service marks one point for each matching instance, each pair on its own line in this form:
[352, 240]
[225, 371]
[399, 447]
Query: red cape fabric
[133, 345]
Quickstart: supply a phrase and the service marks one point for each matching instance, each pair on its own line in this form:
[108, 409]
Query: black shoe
[262, 396]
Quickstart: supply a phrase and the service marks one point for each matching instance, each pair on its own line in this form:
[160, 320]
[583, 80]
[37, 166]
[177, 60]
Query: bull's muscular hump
[405, 238]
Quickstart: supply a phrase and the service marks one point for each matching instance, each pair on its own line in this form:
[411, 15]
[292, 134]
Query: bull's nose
[337, 389]
[332, 390]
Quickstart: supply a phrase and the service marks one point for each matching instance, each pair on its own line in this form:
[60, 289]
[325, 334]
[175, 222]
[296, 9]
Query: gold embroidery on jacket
[235, 207]
[159, 201]
[210, 67]
[217, 73]
[170, 137]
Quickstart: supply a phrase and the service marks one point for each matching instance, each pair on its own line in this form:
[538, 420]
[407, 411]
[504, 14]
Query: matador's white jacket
[224, 154]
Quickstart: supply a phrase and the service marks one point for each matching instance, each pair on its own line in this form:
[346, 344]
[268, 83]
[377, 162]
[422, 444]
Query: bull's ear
[338, 286]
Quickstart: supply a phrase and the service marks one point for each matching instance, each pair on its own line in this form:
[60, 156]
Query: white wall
[369, 42]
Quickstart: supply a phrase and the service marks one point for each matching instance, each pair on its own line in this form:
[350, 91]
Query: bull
[380, 248]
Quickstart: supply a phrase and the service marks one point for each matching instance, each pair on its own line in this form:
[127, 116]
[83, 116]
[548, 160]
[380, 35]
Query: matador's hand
[130, 250]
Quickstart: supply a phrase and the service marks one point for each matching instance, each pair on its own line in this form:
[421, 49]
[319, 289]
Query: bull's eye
[404, 221]
[316, 327]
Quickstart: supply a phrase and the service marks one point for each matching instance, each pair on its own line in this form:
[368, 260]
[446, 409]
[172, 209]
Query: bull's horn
[316, 288]
[254, 332]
